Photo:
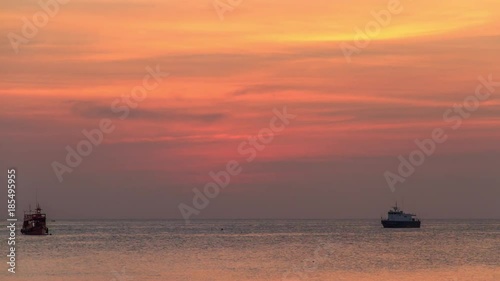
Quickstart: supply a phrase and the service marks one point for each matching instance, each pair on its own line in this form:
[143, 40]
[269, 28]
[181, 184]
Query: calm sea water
[120, 250]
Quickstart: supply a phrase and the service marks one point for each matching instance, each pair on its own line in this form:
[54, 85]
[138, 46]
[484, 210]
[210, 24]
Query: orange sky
[226, 76]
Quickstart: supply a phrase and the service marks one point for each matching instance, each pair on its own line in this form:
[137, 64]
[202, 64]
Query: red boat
[35, 222]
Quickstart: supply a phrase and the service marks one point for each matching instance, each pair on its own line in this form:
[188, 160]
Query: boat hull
[35, 231]
[400, 224]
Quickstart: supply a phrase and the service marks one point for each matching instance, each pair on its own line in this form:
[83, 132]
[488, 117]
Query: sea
[223, 250]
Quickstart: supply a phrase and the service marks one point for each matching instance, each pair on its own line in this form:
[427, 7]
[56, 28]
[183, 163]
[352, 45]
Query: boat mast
[38, 209]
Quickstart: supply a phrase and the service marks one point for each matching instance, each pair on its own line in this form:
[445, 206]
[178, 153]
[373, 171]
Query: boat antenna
[36, 198]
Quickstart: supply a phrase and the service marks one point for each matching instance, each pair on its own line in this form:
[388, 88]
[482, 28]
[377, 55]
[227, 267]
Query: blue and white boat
[396, 218]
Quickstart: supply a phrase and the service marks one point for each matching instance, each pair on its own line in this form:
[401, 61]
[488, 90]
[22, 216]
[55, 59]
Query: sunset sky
[225, 78]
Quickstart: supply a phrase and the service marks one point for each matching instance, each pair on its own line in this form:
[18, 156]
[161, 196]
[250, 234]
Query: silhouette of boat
[396, 218]
[35, 222]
